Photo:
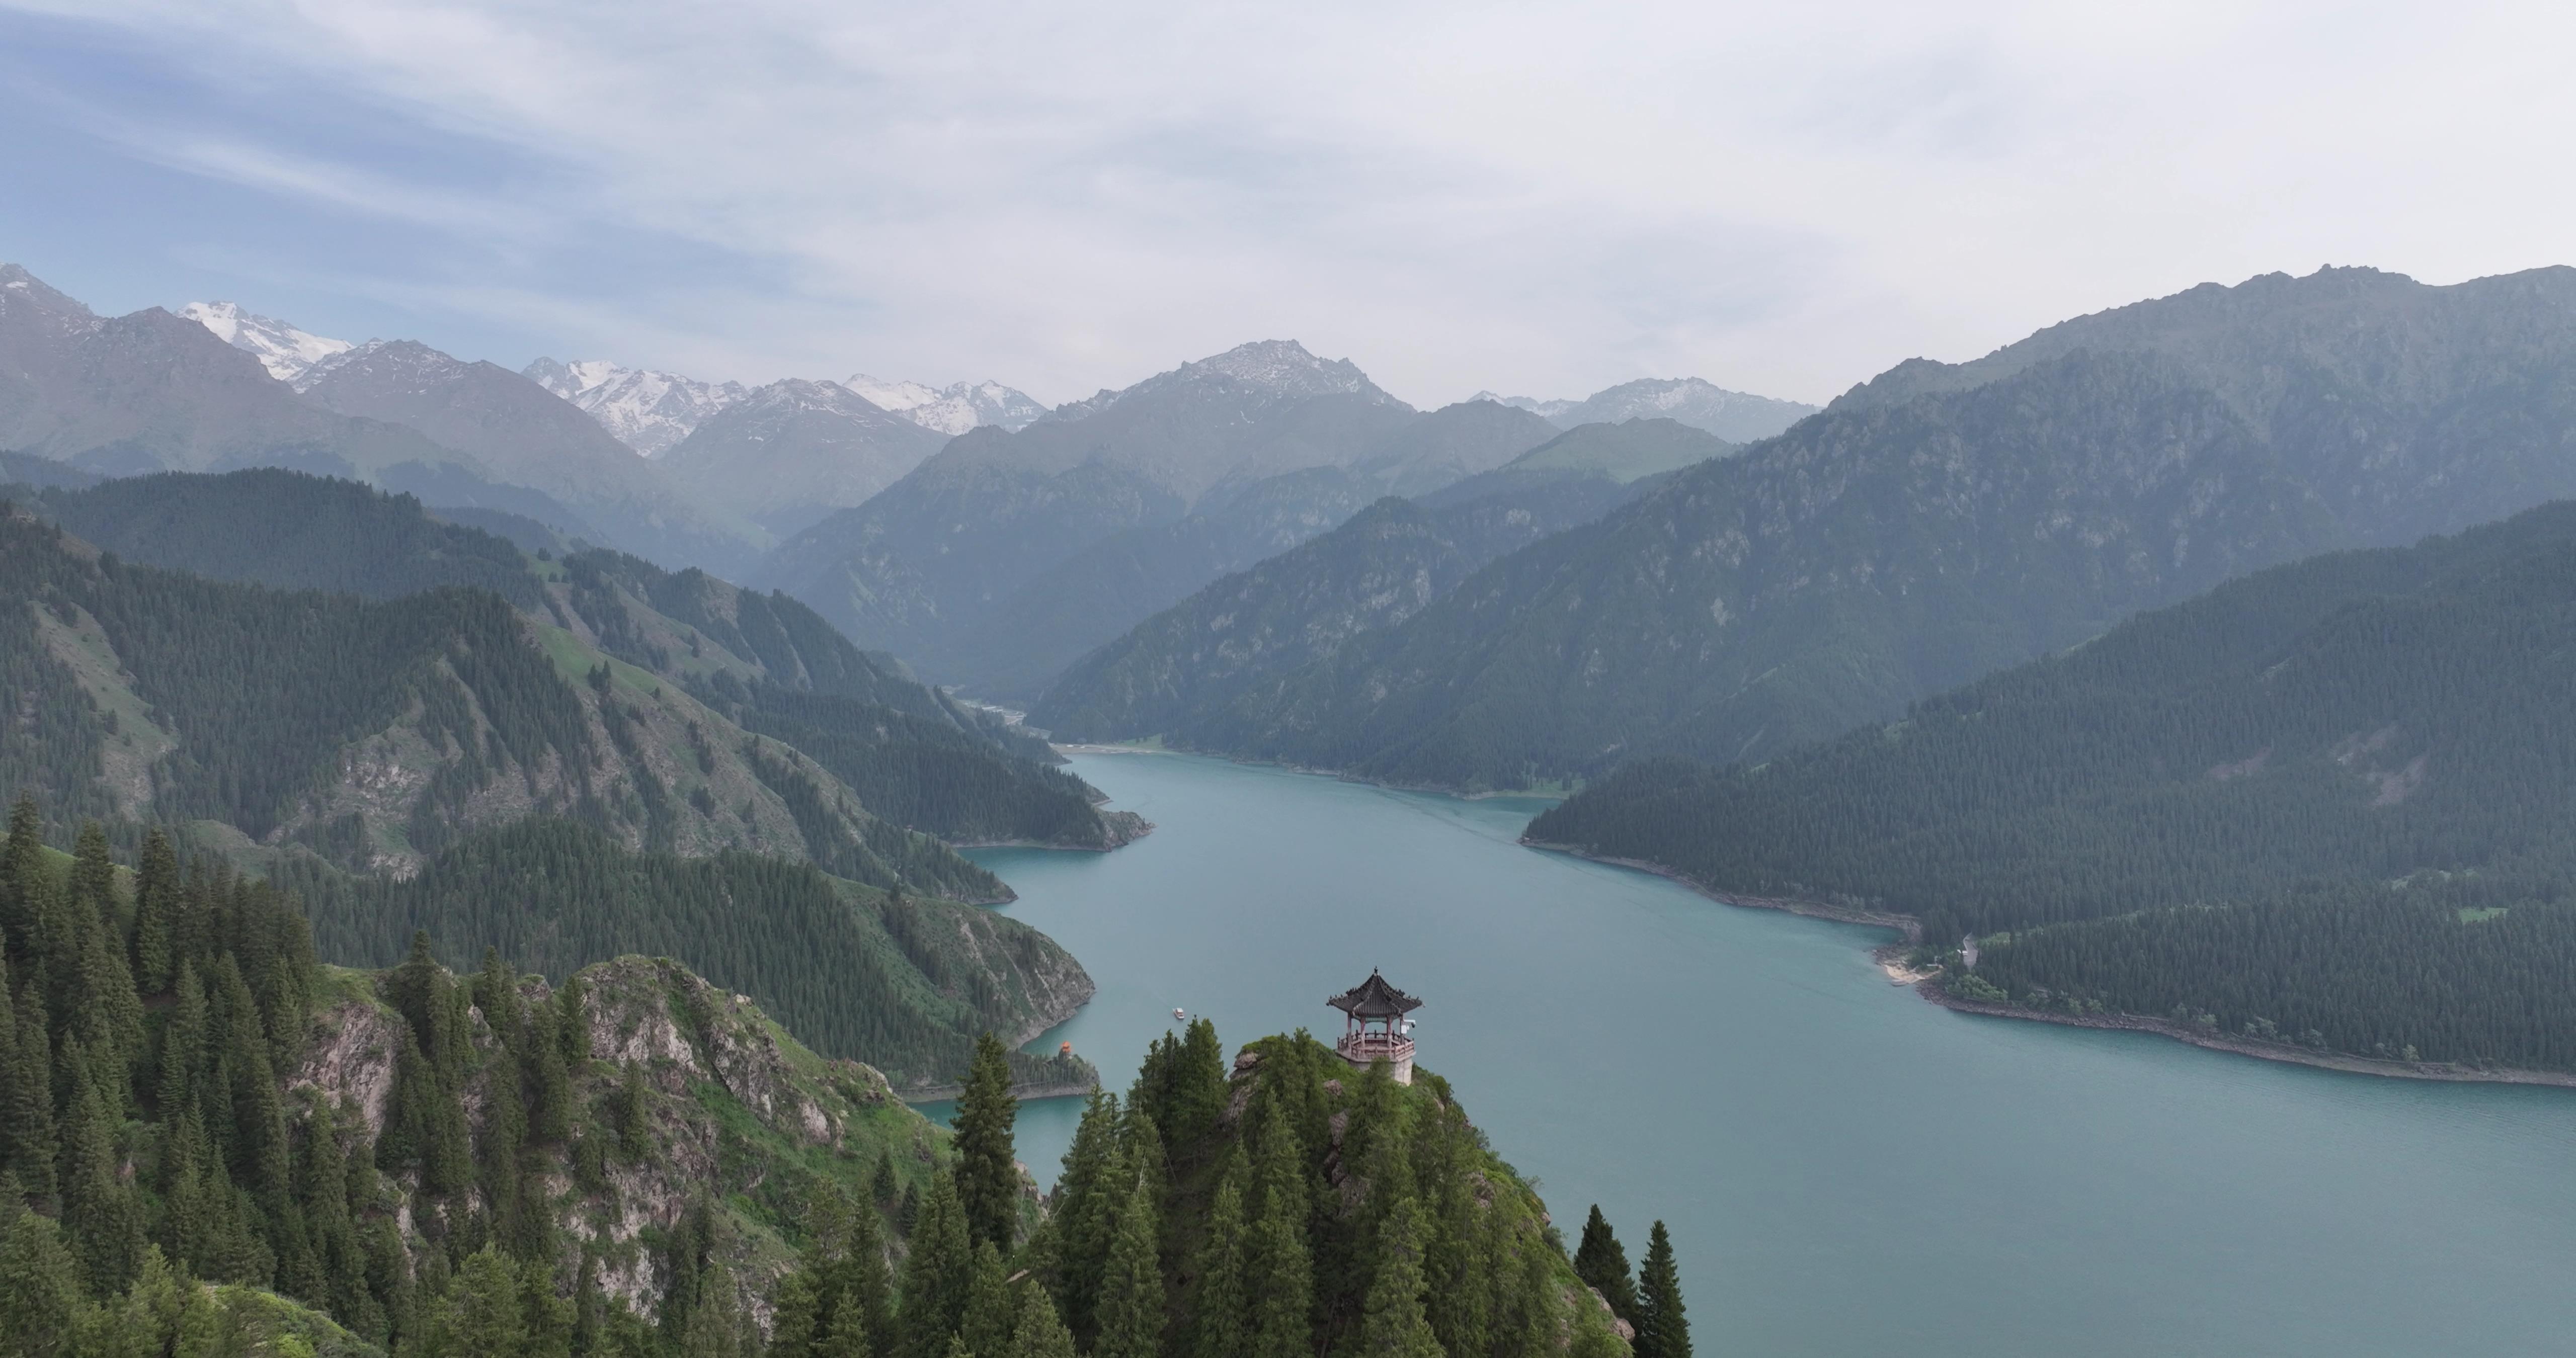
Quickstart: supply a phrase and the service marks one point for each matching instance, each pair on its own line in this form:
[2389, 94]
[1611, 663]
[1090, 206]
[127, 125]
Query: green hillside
[213, 1146]
[2330, 801]
[1945, 522]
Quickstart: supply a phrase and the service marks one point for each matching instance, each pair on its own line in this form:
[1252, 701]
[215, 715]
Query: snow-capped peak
[287, 353]
[952, 409]
[647, 411]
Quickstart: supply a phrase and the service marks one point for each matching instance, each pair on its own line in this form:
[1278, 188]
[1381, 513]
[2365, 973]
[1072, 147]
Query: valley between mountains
[482, 828]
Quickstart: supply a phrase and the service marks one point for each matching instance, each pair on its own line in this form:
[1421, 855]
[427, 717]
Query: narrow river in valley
[1845, 1168]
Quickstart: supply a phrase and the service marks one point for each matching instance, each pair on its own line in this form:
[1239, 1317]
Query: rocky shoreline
[1928, 985]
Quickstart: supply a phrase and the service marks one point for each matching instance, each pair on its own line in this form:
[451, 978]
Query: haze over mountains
[1944, 520]
[1731, 415]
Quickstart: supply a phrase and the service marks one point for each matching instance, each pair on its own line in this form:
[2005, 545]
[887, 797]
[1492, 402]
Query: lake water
[1844, 1167]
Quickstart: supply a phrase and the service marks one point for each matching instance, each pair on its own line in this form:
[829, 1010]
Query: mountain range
[1180, 673]
[2322, 806]
[645, 410]
[455, 684]
[1008, 554]
[1731, 415]
[1944, 520]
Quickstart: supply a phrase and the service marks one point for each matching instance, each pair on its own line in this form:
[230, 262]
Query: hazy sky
[1537, 198]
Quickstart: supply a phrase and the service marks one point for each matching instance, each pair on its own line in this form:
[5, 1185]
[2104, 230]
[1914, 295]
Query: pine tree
[1395, 1325]
[882, 1188]
[572, 1023]
[937, 1275]
[101, 1212]
[1282, 1267]
[1084, 1210]
[986, 1326]
[93, 879]
[30, 1089]
[1131, 1286]
[1222, 1306]
[988, 1175]
[41, 1309]
[1602, 1263]
[634, 1132]
[1039, 1331]
[183, 1043]
[22, 864]
[1662, 1329]
[156, 907]
[1197, 1092]
[481, 1313]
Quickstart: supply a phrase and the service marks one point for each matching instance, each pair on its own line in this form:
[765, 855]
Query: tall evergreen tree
[988, 1174]
[1223, 1303]
[1084, 1212]
[1131, 1284]
[1602, 1263]
[156, 908]
[1662, 1329]
[101, 1212]
[1282, 1266]
[986, 1324]
[30, 1090]
[1395, 1325]
[1039, 1331]
[1197, 1089]
[937, 1275]
[41, 1309]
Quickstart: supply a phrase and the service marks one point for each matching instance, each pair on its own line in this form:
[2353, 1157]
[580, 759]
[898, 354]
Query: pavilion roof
[1374, 998]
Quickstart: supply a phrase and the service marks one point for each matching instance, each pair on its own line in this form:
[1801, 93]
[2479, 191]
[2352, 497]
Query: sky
[1536, 198]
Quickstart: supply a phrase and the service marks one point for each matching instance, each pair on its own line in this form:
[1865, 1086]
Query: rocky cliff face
[736, 1110]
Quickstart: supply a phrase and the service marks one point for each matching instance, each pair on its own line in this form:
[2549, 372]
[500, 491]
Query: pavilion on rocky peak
[1375, 1027]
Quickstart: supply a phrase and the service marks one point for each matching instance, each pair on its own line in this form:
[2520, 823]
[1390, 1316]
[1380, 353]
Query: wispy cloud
[1535, 196]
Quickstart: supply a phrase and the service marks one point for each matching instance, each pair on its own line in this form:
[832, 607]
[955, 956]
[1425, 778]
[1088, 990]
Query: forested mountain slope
[473, 1164]
[764, 663]
[635, 1164]
[375, 733]
[2329, 803]
[1887, 549]
[1181, 673]
[1027, 639]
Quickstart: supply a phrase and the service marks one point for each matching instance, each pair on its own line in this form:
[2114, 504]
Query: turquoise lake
[1845, 1168]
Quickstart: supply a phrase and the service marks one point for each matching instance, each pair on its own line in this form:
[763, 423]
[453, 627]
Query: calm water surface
[1844, 1167]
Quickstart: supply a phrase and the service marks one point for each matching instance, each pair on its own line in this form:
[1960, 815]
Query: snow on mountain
[287, 353]
[952, 409]
[647, 411]
[1732, 415]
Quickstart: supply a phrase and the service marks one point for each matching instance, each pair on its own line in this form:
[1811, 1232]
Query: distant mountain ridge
[645, 410]
[1738, 417]
[925, 562]
[1187, 673]
[1944, 521]
[527, 435]
[952, 409]
[284, 350]
[717, 717]
[789, 453]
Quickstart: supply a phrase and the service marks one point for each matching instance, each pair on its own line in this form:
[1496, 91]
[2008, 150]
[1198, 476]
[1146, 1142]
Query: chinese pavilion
[1375, 1027]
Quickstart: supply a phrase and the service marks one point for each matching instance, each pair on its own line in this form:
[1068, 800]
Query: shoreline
[1061, 1089]
[1927, 984]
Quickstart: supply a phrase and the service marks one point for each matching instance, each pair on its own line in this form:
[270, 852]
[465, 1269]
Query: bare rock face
[351, 1061]
[703, 1054]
